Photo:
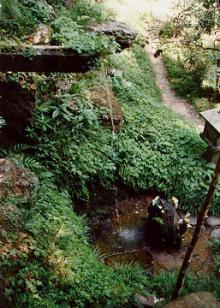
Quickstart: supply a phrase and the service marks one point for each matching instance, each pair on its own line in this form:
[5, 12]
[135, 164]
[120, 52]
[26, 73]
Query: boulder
[215, 233]
[14, 181]
[103, 96]
[68, 3]
[193, 220]
[42, 35]
[145, 301]
[213, 221]
[120, 31]
[195, 300]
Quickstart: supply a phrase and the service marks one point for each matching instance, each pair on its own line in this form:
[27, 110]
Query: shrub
[72, 28]
[185, 79]
[72, 35]
[20, 17]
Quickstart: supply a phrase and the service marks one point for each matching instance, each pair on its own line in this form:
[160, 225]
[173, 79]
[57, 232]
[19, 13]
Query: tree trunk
[200, 222]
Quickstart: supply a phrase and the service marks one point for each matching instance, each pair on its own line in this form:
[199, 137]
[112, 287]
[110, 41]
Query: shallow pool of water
[121, 238]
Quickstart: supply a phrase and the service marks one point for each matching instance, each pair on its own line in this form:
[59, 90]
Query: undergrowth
[70, 25]
[187, 82]
[164, 283]
[155, 149]
[190, 69]
[18, 18]
[46, 259]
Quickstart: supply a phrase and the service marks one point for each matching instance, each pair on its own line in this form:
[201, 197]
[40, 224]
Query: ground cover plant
[46, 259]
[191, 80]
[70, 25]
[191, 52]
[20, 17]
[154, 149]
[164, 282]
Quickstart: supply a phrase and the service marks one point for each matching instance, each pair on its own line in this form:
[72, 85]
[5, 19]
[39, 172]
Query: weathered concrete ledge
[45, 59]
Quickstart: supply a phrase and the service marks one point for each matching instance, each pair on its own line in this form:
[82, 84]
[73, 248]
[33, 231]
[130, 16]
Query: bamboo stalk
[200, 222]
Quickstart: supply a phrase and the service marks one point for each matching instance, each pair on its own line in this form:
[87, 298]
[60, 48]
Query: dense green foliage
[45, 258]
[190, 52]
[187, 80]
[70, 25]
[186, 77]
[20, 17]
[187, 72]
[216, 249]
[72, 35]
[72, 29]
[164, 283]
[198, 17]
[155, 149]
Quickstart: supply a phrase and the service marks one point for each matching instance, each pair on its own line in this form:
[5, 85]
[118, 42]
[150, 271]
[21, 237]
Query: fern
[10, 9]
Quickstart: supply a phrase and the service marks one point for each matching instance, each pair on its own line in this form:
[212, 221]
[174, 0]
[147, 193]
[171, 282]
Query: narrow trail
[179, 105]
[161, 10]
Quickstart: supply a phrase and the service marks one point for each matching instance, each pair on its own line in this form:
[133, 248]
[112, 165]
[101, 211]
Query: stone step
[216, 233]
[45, 59]
[213, 221]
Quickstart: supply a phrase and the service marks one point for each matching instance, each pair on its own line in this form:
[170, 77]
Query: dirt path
[129, 11]
[169, 96]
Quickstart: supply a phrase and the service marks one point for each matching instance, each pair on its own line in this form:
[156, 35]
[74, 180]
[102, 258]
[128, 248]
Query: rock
[195, 300]
[62, 86]
[213, 221]
[126, 83]
[45, 59]
[42, 35]
[144, 301]
[120, 31]
[165, 223]
[48, 7]
[216, 233]
[113, 72]
[8, 211]
[193, 220]
[16, 181]
[68, 3]
[17, 105]
[103, 96]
